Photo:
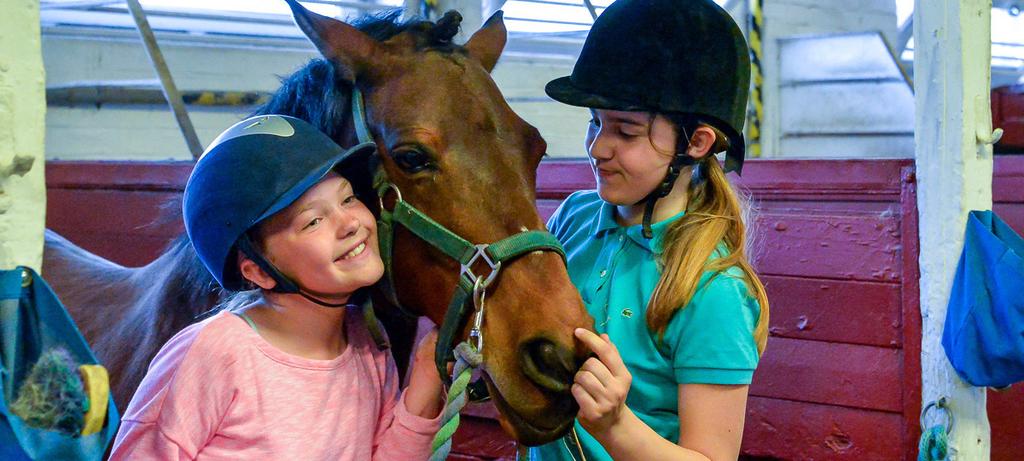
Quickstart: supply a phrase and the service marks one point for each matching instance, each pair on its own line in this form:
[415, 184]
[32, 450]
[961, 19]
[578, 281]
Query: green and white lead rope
[467, 358]
[934, 443]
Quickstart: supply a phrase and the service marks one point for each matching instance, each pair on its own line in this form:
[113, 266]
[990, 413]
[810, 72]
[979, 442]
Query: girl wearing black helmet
[657, 251]
[295, 373]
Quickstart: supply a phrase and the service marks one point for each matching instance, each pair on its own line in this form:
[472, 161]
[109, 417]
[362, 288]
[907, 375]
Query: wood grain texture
[846, 375]
[842, 311]
[781, 429]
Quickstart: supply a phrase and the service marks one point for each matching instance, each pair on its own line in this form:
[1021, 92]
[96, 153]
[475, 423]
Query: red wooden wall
[837, 248]
[1006, 408]
[126, 212]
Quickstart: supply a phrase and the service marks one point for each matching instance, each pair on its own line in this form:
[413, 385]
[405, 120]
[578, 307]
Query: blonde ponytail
[714, 214]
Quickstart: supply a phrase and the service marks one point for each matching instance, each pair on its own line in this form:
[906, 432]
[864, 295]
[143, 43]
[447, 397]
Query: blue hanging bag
[32, 323]
[984, 330]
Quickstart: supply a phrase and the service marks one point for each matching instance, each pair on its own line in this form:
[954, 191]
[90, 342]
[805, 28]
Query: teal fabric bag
[33, 320]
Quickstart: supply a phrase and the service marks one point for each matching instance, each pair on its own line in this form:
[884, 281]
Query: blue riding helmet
[252, 170]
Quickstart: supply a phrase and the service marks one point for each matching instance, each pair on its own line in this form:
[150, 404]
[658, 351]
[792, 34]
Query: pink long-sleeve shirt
[218, 390]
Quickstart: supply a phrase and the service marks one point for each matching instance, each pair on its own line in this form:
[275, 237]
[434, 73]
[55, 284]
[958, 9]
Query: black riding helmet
[254, 169]
[686, 58]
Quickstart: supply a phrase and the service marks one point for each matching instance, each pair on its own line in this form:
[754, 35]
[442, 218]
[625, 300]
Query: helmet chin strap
[284, 284]
[679, 161]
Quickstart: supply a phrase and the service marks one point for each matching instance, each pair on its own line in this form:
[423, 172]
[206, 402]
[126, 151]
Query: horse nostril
[548, 365]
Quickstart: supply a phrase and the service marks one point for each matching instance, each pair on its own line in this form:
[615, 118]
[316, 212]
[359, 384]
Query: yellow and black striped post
[755, 112]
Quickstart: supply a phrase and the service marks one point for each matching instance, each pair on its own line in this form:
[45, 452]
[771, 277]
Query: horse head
[452, 148]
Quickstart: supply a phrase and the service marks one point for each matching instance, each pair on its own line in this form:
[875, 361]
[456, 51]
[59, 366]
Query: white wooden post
[22, 124]
[952, 78]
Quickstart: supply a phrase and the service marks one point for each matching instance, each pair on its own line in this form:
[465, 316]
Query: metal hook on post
[986, 136]
[984, 132]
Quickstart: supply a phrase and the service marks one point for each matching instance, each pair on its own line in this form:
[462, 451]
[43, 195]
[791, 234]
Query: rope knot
[469, 354]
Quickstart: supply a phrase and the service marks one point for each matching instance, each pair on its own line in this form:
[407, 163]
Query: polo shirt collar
[605, 218]
[606, 221]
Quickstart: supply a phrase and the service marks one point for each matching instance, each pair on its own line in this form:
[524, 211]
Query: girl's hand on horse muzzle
[601, 385]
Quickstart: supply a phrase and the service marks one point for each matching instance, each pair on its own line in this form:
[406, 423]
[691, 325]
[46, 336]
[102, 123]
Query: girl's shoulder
[711, 340]
[200, 356]
[216, 339]
[734, 273]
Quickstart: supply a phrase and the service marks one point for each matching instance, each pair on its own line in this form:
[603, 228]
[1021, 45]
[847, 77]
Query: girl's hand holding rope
[601, 384]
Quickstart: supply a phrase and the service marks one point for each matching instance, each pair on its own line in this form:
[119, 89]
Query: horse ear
[348, 47]
[488, 42]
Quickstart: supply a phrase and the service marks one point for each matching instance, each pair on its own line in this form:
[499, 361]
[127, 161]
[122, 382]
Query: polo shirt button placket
[607, 316]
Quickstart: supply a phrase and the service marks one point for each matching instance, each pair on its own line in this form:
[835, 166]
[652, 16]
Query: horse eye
[411, 160]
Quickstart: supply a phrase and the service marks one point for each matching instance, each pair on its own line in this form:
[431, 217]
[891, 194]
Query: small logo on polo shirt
[627, 313]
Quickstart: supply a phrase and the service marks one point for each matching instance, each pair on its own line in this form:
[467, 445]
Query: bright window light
[271, 18]
[246, 6]
[1007, 36]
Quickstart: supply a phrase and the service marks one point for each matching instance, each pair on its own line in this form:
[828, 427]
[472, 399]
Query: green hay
[52, 396]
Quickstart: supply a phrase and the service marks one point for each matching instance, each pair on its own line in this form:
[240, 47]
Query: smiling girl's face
[326, 240]
[629, 152]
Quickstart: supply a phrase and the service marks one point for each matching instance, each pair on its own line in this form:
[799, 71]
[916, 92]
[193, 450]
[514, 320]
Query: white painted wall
[786, 18]
[150, 133]
[22, 109]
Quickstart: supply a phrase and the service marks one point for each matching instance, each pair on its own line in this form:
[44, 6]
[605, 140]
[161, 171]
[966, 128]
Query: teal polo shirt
[615, 269]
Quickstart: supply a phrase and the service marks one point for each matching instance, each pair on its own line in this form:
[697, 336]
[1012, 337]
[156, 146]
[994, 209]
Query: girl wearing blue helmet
[295, 373]
[657, 251]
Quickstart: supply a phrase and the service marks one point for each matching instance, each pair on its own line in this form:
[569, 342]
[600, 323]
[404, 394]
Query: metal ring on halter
[467, 269]
[392, 186]
[941, 405]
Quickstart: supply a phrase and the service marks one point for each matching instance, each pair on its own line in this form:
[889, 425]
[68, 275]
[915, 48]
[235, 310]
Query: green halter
[471, 285]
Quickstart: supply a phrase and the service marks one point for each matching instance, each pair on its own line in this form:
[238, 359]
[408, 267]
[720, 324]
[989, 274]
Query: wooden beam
[146, 92]
[952, 69]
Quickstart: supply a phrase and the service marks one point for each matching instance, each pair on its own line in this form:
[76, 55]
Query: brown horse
[454, 148]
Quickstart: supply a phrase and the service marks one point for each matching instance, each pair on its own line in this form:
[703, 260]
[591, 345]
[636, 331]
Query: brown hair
[715, 214]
